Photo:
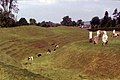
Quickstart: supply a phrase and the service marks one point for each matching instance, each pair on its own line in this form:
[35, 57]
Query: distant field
[75, 59]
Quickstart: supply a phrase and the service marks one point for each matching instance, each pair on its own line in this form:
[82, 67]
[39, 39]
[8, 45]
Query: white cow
[115, 34]
[90, 36]
[114, 31]
[98, 33]
[57, 46]
[104, 38]
[30, 58]
[96, 39]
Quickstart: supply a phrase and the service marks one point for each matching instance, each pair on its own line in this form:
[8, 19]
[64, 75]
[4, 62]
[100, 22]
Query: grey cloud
[84, 9]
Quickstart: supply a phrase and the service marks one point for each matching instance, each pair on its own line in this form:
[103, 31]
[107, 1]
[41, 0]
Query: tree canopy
[7, 7]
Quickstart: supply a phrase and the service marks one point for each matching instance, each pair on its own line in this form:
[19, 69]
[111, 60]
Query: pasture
[75, 59]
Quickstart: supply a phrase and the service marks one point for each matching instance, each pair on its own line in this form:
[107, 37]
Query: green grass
[76, 59]
[9, 72]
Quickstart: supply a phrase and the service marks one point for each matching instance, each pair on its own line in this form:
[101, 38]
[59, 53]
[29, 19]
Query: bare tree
[9, 6]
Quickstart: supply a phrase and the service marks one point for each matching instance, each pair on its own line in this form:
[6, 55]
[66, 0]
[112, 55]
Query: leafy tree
[118, 18]
[32, 21]
[47, 24]
[79, 22]
[7, 18]
[115, 13]
[106, 13]
[74, 23]
[66, 21]
[23, 21]
[109, 22]
[6, 21]
[43, 24]
[113, 22]
[106, 21]
[95, 22]
[38, 24]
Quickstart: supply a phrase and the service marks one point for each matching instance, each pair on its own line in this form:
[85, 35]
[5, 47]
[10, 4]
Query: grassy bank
[75, 59]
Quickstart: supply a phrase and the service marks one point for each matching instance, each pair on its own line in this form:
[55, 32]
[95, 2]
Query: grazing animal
[90, 36]
[104, 38]
[48, 51]
[114, 31]
[54, 50]
[30, 58]
[57, 46]
[98, 33]
[115, 34]
[39, 54]
[53, 44]
[96, 39]
[27, 63]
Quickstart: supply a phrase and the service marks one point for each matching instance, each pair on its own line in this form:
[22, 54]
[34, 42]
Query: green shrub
[6, 21]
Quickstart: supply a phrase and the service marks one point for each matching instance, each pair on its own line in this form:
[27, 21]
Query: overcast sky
[55, 10]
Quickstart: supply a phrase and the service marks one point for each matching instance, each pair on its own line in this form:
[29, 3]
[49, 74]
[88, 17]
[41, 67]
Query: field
[75, 59]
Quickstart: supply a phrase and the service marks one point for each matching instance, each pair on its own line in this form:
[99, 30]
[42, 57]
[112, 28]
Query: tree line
[106, 21]
[96, 22]
[67, 21]
[8, 19]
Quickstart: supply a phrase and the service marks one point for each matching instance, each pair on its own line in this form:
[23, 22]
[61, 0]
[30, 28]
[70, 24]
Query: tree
[66, 21]
[38, 24]
[73, 23]
[47, 24]
[115, 13]
[106, 21]
[43, 24]
[113, 22]
[106, 13]
[32, 21]
[7, 18]
[23, 21]
[79, 22]
[116, 16]
[6, 21]
[95, 22]
[8, 6]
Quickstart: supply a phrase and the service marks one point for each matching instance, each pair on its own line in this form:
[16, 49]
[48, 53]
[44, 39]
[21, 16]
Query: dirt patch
[39, 44]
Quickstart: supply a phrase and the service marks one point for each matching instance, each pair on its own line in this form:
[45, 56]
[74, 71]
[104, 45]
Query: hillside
[9, 72]
[75, 59]
[30, 40]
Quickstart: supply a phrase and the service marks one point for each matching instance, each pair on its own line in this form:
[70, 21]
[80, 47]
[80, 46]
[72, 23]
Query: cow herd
[101, 35]
[56, 46]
